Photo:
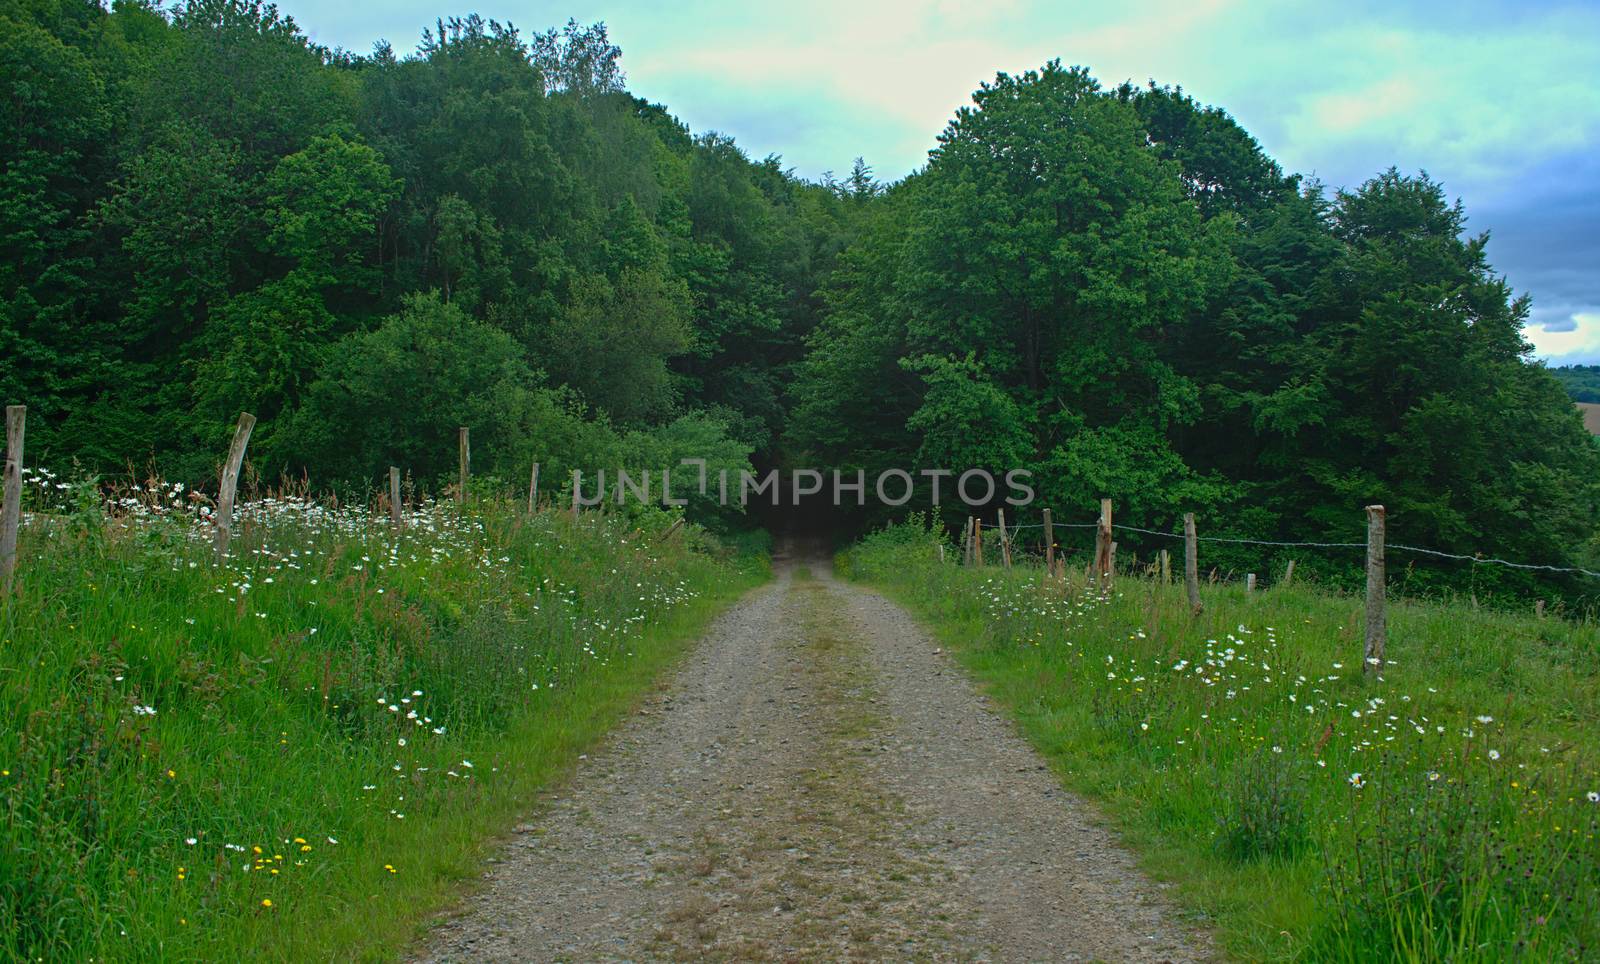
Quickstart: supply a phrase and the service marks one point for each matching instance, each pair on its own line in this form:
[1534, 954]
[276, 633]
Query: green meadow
[1445, 809]
[303, 749]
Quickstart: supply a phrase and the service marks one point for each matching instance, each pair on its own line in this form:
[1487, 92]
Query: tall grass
[1445, 809]
[295, 752]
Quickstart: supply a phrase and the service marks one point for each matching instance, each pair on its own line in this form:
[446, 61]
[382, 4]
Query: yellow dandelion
[266, 902]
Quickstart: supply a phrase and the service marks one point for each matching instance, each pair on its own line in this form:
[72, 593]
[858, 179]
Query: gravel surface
[817, 782]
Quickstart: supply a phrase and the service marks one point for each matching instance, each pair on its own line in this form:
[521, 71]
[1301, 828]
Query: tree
[578, 59]
[396, 396]
[615, 339]
[1054, 248]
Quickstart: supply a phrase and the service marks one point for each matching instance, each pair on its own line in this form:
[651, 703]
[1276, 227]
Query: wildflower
[1357, 781]
[1485, 719]
[266, 902]
[190, 841]
[1494, 754]
[1594, 797]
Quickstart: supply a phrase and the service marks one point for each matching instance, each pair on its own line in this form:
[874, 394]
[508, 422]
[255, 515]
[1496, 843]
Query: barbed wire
[1491, 559]
[1401, 547]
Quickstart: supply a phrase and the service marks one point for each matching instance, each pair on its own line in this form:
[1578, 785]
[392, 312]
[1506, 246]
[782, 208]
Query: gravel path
[818, 782]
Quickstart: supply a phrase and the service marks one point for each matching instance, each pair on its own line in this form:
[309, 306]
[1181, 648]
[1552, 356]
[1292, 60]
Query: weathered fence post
[1164, 561]
[1377, 627]
[533, 490]
[1049, 545]
[1538, 608]
[466, 465]
[394, 495]
[966, 542]
[1102, 543]
[230, 481]
[1250, 582]
[11, 509]
[977, 542]
[1005, 540]
[1288, 574]
[1191, 563]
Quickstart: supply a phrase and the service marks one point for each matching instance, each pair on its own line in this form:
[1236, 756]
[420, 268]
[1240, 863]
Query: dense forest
[1582, 382]
[202, 212]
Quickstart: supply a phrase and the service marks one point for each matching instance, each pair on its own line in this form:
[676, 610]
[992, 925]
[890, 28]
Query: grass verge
[1445, 809]
[303, 750]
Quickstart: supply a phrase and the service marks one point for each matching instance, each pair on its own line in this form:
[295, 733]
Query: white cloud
[1580, 345]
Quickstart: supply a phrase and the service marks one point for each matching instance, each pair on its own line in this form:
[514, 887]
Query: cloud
[1576, 344]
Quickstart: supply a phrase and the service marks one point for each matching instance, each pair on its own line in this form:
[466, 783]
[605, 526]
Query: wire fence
[1436, 553]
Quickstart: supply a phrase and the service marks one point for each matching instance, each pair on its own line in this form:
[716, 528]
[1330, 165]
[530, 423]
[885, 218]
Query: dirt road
[818, 782]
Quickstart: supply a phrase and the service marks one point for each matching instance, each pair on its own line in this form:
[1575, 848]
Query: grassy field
[302, 751]
[1447, 809]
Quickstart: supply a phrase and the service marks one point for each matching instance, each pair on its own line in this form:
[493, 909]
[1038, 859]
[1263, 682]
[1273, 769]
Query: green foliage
[1447, 809]
[303, 746]
[1582, 382]
[201, 211]
[397, 395]
[1120, 292]
[1263, 812]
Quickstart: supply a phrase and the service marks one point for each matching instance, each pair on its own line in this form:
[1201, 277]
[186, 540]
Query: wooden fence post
[1191, 563]
[977, 542]
[1250, 582]
[966, 542]
[1377, 626]
[1005, 540]
[394, 495]
[1288, 574]
[1102, 543]
[533, 490]
[230, 481]
[11, 509]
[466, 465]
[1538, 609]
[1165, 565]
[1049, 544]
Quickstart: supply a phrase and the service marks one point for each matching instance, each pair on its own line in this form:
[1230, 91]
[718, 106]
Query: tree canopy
[202, 211]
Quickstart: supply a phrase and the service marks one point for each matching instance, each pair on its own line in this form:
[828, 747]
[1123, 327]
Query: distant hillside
[1582, 382]
[1591, 416]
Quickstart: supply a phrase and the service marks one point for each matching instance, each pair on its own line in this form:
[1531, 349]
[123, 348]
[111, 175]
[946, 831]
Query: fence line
[1487, 560]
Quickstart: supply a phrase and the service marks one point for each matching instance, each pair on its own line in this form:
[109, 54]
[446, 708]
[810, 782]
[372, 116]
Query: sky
[1498, 101]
